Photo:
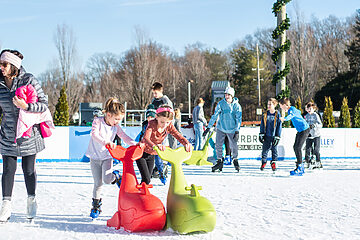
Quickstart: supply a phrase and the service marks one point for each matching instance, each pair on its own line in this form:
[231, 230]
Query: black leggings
[146, 165]
[9, 169]
[299, 142]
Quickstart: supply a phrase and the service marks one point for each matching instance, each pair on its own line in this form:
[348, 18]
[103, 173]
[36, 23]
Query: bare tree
[102, 80]
[303, 59]
[332, 35]
[65, 44]
[197, 71]
[140, 68]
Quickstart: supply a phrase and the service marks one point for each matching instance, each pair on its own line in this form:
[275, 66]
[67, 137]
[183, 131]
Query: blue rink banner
[70, 143]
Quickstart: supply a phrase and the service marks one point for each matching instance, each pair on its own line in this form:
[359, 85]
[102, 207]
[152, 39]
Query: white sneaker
[31, 207]
[5, 211]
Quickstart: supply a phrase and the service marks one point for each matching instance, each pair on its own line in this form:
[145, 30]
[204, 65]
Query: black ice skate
[263, 164]
[96, 209]
[218, 166]
[273, 165]
[236, 165]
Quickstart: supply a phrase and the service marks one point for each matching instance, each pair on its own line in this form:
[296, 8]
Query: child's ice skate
[96, 209]
[263, 164]
[298, 171]
[117, 178]
[273, 166]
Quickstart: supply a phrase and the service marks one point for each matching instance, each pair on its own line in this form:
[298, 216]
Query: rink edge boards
[40, 160]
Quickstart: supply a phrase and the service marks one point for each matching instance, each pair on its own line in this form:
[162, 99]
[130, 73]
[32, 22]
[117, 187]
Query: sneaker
[273, 165]
[263, 164]
[31, 207]
[5, 211]
[218, 165]
[96, 209]
[117, 178]
[236, 165]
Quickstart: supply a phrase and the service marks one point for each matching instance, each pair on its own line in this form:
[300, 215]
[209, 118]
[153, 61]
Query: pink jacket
[27, 119]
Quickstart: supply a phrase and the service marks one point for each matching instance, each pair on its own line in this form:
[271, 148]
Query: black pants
[227, 147]
[299, 142]
[146, 165]
[309, 149]
[9, 169]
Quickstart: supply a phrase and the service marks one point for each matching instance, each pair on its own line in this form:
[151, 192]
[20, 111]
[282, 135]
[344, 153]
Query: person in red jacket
[156, 132]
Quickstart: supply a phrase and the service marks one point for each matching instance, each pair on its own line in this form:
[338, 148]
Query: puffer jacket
[23, 146]
[316, 120]
[229, 114]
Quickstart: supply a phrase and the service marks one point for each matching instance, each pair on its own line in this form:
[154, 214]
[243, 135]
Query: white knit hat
[11, 58]
[230, 90]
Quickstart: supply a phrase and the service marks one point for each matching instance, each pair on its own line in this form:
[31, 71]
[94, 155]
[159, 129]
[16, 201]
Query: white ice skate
[31, 207]
[5, 211]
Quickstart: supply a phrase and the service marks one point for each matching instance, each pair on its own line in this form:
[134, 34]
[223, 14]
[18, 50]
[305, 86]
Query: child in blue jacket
[228, 115]
[270, 131]
[303, 130]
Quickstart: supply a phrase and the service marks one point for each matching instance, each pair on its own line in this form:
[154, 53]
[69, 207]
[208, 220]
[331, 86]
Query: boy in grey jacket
[313, 140]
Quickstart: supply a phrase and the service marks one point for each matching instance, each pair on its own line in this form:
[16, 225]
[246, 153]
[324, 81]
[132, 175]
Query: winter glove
[312, 126]
[236, 136]
[261, 137]
[206, 131]
[276, 141]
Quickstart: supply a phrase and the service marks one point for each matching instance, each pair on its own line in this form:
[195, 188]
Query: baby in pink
[27, 119]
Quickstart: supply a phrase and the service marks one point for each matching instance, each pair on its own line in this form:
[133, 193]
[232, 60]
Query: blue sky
[108, 26]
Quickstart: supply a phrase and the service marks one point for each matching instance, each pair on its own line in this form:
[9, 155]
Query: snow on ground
[322, 204]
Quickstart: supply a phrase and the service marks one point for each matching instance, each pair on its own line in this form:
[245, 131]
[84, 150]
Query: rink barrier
[68, 144]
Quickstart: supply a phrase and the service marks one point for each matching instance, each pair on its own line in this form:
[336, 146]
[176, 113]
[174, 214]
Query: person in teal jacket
[228, 115]
[302, 128]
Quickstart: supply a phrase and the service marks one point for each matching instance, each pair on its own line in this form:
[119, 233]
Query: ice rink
[322, 204]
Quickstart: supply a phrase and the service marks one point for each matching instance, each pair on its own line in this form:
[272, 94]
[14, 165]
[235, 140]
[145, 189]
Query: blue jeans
[267, 145]
[199, 130]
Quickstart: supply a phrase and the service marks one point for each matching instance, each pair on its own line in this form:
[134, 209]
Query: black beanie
[150, 111]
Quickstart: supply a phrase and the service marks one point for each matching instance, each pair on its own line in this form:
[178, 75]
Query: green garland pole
[282, 46]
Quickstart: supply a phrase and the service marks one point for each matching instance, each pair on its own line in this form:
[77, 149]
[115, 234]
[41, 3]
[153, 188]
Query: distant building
[87, 112]
[217, 91]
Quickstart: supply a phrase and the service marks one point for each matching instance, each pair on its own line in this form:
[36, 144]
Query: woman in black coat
[13, 76]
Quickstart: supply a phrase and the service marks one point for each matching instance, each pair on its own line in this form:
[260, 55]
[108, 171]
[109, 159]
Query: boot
[263, 164]
[218, 166]
[318, 164]
[236, 165]
[163, 178]
[5, 211]
[31, 207]
[273, 166]
[96, 209]
[298, 171]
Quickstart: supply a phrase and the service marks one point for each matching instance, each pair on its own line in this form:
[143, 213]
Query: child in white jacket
[104, 130]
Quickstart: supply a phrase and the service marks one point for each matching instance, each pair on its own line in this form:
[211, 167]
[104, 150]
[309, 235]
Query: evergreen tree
[356, 117]
[344, 121]
[298, 104]
[61, 116]
[328, 118]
